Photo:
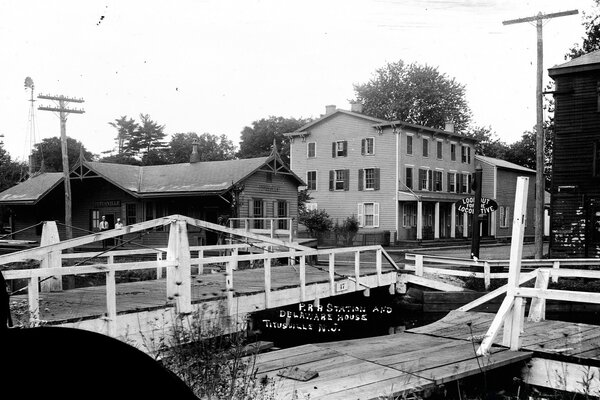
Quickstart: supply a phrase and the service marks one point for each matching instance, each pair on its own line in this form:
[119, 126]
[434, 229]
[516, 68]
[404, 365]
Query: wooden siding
[342, 204]
[505, 196]
[577, 127]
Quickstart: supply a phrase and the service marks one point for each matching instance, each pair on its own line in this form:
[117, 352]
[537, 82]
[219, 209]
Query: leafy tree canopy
[126, 129]
[210, 147]
[256, 141]
[148, 135]
[11, 172]
[49, 150]
[489, 144]
[591, 40]
[414, 93]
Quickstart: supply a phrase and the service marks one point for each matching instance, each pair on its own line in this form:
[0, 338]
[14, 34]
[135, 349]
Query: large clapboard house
[575, 195]
[212, 191]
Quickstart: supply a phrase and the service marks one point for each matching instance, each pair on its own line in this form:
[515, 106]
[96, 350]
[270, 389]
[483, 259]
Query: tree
[414, 93]
[523, 152]
[303, 198]
[488, 144]
[256, 141]
[11, 172]
[148, 135]
[210, 147]
[316, 221]
[126, 128]
[49, 150]
[591, 40]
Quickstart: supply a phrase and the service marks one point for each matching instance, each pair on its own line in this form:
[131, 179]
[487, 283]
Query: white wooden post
[419, 220]
[452, 221]
[331, 274]
[291, 228]
[486, 275]
[436, 217]
[302, 272]
[465, 225]
[51, 259]
[33, 296]
[418, 264]
[507, 310]
[556, 265]
[267, 283]
[378, 254]
[229, 288]
[537, 310]
[200, 262]
[356, 270]
[246, 224]
[292, 259]
[234, 263]
[111, 303]
[159, 270]
[179, 279]
[272, 227]
[517, 323]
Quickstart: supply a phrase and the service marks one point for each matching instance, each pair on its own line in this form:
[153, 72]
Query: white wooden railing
[485, 266]
[267, 226]
[178, 265]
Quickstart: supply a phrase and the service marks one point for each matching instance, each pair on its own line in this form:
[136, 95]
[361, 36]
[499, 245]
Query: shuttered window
[409, 144]
[451, 182]
[437, 180]
[339, 179]
[409, 178]
[367, 146]
[339, 149]
[452, 152]
[425, 147]
[311, 180]
[368, 179]
[368, 215]
[440, 146]
[311, 150]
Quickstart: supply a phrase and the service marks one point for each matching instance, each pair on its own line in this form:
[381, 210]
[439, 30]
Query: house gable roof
[496, 162]
[302, 130]
[32, 190]
[202, 178]
[586, 62]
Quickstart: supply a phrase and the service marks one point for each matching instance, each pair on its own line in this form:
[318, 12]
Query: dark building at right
[575, 194]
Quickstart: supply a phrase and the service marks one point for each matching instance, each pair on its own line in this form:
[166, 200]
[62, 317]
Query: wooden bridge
[560, 355]
[197, 281]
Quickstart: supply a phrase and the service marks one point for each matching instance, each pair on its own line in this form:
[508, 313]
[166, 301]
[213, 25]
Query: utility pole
[539, 176]
[63, 110]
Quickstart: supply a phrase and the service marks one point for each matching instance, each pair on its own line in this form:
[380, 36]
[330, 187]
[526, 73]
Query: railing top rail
[497, 262]
[260, 218]
[117, 253]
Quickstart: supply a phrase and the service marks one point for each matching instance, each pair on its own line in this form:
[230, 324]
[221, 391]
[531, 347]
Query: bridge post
[33, 297]
[556, 265]
[267, 283]
[378, 253]
[52, 258]
[331, 274]
[159, 270]
[356, 270]
[111, 303]
[179, 280]
[302, 272]
[229, 288]
[418, 264]
[537, 310]
[486, 275]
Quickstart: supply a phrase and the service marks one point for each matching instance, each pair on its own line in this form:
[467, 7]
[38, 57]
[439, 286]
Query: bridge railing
[463, 267]
[272, 227]
[178, 267]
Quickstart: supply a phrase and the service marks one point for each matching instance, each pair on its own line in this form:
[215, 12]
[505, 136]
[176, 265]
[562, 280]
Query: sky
[217, 66]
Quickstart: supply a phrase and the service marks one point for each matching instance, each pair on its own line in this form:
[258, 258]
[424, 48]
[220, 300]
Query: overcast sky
[217, 66]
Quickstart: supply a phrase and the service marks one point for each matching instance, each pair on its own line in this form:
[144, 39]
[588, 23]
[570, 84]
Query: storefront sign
[107, 203]
[468, 205]
[268, 188]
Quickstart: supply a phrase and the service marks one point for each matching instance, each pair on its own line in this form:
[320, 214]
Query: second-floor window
[425, 179]
[339, 148]
[409, 178]
[452, 182]
[425, 147]
[367, 146]
[439, 149]
[339, 179]
[409, 145]
[465, 154]
[368, 179]
[437, 181]
[311, 150]
[311, 180]
[465, 183]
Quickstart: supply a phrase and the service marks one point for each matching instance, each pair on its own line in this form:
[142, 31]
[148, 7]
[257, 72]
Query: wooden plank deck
[567, 341]
[90, 302]
[381, 366]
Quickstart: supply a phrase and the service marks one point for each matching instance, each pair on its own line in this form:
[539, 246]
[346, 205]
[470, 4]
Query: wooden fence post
[418, 264]
[506, 312]
[537, 310]
[229, 288]
[267, 283]
[33, 296]
[302, 272]
[159, 270]
[51, 259]
[486, 275]
[555, 265]
[234, 263]
[111, 303]
[331, 274]
[179, 280]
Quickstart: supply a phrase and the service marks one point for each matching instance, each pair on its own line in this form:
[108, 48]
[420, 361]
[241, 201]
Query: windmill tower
[31, 137]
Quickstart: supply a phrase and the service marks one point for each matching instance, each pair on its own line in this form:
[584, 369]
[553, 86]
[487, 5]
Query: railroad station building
[215, 191]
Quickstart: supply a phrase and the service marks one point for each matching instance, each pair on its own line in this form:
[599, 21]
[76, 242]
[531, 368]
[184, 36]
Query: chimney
[195, 156]
[356, 106]
[449, 126]
[329, 109]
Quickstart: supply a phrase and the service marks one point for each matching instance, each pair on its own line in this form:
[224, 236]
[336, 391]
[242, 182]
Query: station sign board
[468, 205]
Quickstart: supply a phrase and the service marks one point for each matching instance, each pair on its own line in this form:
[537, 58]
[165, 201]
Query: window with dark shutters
[422, 179]
[409, 178]
[409, 145]
[439, 149]
[339, 179]
[429, 179]
[425, 147]
[370, 179]
[339, 148]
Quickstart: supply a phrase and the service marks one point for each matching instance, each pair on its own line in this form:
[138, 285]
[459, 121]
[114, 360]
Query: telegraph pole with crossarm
[539, 176]
[63, 110]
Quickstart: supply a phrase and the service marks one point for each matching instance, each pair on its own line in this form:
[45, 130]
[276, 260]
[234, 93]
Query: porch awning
[431, 196]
